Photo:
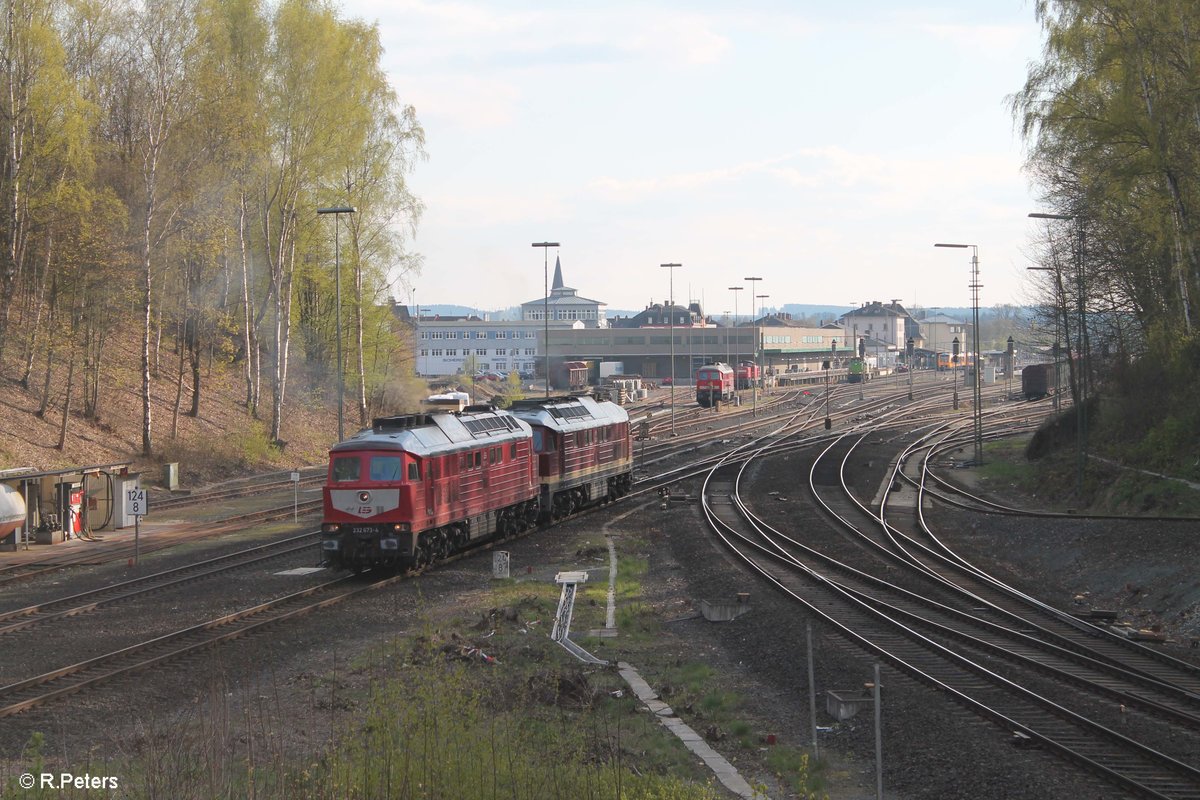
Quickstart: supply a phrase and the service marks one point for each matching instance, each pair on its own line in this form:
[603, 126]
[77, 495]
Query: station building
[449, 345]
[563, 326]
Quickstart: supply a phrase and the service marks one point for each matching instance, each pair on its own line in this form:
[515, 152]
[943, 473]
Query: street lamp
[737, 353]
[546, 304]
[422, 360]
[933, 342]
[954, 370]
[1008, 369]
[909, 349]
[828, 364]
[337, 211]
[754, 351]
[977, 391]
[727, 351]
[671, 319]
[1082, 339]
[759, 345]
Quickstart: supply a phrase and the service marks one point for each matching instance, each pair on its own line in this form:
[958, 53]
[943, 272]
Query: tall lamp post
[1008, 368]
[546, 304]
[754, 350]
[977, 389]
[337, 211]
[933, 342]
[671, 319]
[737, 353]
[909, 350]
[828, 364]
[954, 369]
[759, 344]
[1082, 341]
[727, 350]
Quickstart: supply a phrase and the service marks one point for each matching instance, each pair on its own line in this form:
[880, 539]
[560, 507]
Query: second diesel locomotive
[748, 374]
[714, 383]
[412, 489]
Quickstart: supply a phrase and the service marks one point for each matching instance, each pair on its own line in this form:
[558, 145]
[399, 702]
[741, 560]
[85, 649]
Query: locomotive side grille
[485, 426]
[569, 412]
[380, 424]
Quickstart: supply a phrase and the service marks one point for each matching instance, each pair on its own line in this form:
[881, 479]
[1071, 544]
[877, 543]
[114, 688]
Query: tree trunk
[196, 356]
[248, 338]
[36, 327]
[66, 416]
[178, 382]
[147, 287]
[358, 334]
[41, 412]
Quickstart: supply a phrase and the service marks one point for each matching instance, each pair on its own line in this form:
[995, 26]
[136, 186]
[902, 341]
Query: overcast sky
[822, 146]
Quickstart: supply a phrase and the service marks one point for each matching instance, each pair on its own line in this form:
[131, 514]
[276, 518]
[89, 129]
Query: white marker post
[136, 506]
[295, 497]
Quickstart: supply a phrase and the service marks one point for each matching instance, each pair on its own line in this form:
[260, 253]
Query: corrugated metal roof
[569, 413]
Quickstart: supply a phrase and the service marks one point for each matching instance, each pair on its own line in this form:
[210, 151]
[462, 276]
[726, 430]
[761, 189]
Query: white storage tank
[12, 510]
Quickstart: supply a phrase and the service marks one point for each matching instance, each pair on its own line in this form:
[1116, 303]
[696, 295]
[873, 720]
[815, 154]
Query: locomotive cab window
[346, 468]
[414, 471]
[385, 468]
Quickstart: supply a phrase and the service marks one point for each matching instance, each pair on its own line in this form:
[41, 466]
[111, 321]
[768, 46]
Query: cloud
[470, 102]
[879, 180]
[981, 40]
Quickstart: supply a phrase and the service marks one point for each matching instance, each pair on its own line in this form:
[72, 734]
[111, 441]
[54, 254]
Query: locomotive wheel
[424, 555]
[437, 547]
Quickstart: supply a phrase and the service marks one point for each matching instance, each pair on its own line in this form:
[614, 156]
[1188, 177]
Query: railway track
[928, 635]
[21, 619]
[57, 683]
[25, 571]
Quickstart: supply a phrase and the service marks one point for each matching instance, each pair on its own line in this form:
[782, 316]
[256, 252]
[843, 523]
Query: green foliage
[795, 768]
[1110, 115]
[432, 733]
[510, 391]
[175, 155]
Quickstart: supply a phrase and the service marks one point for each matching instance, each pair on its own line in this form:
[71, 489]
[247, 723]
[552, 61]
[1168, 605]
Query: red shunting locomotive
[412, 489]
[714, 384]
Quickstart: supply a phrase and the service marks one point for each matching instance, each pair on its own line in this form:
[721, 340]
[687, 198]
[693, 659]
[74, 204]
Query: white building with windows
[885, 323]
[450, 345]
[564, 305]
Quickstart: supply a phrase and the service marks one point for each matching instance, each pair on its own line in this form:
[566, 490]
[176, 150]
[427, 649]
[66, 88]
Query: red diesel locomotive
[583, 448]
[748, 374]
[714, 383]
[412, 489]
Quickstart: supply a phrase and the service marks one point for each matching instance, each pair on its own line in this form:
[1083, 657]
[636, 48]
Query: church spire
[558, 281]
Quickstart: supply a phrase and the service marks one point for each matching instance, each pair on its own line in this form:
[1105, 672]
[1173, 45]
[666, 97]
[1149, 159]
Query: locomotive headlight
[388, 543]
[330, 527]
[364, 497]
[329, 544]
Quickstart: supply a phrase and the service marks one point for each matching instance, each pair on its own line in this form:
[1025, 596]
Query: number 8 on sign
[135, 502]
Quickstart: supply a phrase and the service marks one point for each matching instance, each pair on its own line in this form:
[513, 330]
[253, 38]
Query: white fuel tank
[12, 510]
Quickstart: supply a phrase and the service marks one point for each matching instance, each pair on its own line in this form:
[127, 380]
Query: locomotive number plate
[362, 529]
